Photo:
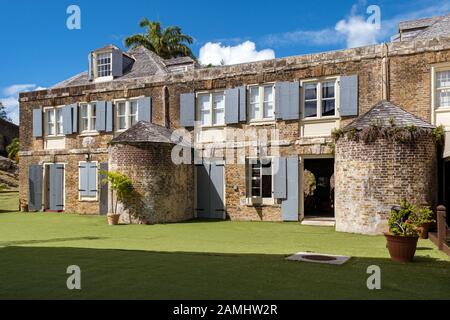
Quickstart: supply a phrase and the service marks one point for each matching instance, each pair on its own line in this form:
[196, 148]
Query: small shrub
[439, 135]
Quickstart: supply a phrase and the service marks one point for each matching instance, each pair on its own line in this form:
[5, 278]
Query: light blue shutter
[84, 179]
[232, 106]
[290, 206]
[279, 183]
[92, 179]
[117, 63]
[145, 109]
[100, 123]
[187, 110]
[243, 103]
[109, 116]
[90, 67]
[348, 96]
[287, 100]
[217, 191]
[56, 197]
[35, 187]
[37, 122]
[67, 119]
[74, 118]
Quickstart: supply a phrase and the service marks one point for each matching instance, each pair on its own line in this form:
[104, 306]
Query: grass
[200, 260]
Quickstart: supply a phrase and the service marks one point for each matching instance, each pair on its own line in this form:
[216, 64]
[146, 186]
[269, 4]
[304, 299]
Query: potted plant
[121, 186]
[403, 233]
[424, 218]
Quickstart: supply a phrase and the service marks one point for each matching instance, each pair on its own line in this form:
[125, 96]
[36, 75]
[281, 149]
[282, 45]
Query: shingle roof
[385, 112]
[438, 26]
[145, 132]
[178, 61]
[146, 64]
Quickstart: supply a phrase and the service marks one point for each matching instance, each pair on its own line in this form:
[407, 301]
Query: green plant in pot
[424, 218]
[403, 232]
[121, 190]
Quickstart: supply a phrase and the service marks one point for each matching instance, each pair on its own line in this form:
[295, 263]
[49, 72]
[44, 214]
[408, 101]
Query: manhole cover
[319, 258]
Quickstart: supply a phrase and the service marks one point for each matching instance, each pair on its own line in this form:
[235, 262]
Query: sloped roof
[146, 64]
[438, 26]
[145, 132]
[178, 61]
[383, 113]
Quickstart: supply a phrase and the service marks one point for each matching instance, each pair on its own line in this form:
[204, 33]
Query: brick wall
[371, 178]
[163, 191]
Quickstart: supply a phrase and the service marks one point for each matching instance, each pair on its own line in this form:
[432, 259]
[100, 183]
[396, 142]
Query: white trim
[211, 109]
[55, 122]
[319, 82]
[88, 199]
[434, 109]
[260, 116]
[87, 132]
[127, 112]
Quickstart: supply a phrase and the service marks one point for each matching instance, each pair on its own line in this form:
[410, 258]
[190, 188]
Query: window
[319, 99]
[104, 64]
[443, 89]
[260, 179]
[87, 117]
[211, 109]
[53, 121]
[126, 114]
[262, 103]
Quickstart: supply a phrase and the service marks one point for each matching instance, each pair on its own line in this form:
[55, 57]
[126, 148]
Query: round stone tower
[163, 190]
[383, 157]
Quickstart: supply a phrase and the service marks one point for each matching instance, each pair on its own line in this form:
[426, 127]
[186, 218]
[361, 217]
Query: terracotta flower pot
[424, 230]
[113, 219]
[401, 249]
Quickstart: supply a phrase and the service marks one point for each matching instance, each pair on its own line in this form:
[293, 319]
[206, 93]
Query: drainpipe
[385, 72]
[166, 116]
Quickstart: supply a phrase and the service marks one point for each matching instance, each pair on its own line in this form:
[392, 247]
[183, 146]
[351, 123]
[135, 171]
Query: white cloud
[354, 30]
[217, 54]
[357, 31]
[10, 98]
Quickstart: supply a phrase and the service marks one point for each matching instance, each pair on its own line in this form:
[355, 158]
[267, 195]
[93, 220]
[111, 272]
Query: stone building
[253, 128]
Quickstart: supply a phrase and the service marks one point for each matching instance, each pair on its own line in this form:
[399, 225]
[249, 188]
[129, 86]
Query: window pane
[268, 94]
[444, 98]
[59, 121]
[205, 109]
[328, 107]
[254, 95]
[93, 116]
[268, 103]
[121, 108]
[267, 186]
[310, 91]
[268, 111]
[310, 109]
[50, 122]
[122, 123]
[328, 90]
[443, 79]
[219, 109]
[84, 111]
[133, 107]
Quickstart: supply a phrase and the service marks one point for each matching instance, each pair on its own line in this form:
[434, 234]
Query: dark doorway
[446, 187]
[318, 187]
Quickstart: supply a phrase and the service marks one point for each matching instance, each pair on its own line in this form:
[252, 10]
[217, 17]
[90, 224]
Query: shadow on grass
[25, 242]
[40, 273]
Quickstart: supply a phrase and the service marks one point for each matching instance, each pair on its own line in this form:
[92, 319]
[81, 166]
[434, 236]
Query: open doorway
[318, 188]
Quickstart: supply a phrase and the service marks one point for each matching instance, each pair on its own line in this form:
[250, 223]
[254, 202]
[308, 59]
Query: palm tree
[166, 43]
[13, 150]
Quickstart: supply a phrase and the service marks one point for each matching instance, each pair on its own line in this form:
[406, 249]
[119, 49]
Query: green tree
[166, 43]
[13, 150]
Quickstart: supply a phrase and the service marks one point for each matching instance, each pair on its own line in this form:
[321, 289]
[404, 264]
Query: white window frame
[319, 82]
[56, 122]
[255, 200]
[97, 65]
[436, 90]
[212, 109]
[260, 115]
[127, 113]
[84, 198]
[91, 124]
[435, 110]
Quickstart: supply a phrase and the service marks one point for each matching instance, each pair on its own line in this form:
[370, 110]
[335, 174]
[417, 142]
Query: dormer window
[104, 64]
[108, 63]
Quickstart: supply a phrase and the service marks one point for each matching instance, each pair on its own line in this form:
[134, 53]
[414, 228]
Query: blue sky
[38, 50]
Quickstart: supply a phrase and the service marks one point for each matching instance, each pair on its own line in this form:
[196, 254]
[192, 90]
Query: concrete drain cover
[318, 258]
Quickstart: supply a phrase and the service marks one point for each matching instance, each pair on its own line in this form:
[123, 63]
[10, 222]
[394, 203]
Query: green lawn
[200, 260]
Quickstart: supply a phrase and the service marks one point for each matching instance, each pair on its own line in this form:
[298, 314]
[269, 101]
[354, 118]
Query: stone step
[319, 222]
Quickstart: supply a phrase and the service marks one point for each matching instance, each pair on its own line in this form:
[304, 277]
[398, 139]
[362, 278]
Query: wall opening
[318, 188]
